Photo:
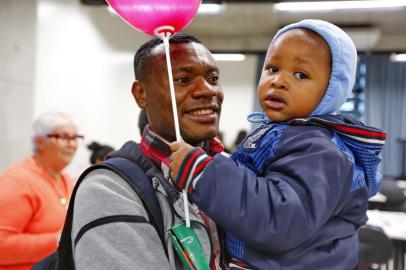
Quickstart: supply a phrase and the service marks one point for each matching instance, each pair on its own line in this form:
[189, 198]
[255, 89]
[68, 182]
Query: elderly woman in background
[34, 194]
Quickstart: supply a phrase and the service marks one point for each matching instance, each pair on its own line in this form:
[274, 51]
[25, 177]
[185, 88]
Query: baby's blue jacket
[294, 195]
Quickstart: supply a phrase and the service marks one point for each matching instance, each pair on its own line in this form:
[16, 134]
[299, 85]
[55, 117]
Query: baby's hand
[179, 152]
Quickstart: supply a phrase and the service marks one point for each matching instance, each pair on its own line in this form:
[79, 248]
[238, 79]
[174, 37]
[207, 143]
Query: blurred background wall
[62, 55]
[18, 28]
[76, 56]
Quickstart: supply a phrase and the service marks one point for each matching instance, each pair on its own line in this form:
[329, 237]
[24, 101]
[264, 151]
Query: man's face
[295, 76]
[197, 89]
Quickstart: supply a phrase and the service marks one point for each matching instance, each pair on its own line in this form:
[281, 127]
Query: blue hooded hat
[344, 62]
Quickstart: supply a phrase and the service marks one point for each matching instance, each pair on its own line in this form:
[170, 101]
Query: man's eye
[213, 79]
[182, 80]
[272, 69]
[300, 75]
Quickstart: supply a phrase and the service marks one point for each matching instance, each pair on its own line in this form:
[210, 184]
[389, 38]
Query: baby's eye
[273, 69]
[300, 75]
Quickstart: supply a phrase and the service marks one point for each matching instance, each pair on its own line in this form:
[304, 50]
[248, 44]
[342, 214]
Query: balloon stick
[172, 88]
[186, 206]
[165, 35]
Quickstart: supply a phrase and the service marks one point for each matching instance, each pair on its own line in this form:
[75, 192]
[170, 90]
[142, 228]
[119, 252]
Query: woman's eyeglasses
[66, 137]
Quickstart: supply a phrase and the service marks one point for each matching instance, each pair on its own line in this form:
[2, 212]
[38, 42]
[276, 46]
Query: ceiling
[248, 26]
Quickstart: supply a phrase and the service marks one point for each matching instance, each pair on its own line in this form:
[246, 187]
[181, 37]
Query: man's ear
[139, 94]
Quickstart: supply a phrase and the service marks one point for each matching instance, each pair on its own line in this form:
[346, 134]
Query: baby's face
[295, 75]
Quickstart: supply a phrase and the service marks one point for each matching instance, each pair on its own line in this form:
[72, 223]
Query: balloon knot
[164, 31]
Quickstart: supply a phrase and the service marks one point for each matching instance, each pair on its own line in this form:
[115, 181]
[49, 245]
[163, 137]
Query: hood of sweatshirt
[366, 144]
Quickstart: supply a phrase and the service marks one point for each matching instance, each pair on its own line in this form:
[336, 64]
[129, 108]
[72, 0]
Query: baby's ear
[138, 93]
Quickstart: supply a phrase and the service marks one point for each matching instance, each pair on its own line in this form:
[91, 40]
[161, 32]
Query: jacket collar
[157, 148]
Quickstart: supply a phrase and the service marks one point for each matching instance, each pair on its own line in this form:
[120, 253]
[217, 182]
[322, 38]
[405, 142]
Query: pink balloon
[147, 15]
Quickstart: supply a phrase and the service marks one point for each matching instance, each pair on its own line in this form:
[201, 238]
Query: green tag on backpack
[188, 247]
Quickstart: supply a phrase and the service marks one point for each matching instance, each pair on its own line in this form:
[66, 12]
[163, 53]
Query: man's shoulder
[102, 181]
[132, 151]
[108, 180]
[129, 150]
[103, 185]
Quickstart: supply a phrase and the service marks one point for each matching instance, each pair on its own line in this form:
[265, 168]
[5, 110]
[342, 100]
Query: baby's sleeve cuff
[191, 169]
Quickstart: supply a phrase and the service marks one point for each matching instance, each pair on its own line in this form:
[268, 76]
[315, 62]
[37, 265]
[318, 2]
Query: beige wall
[84, 66]
[17, 55]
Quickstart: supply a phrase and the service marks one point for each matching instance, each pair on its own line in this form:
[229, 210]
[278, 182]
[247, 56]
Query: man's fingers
[179, 152]
[175, 146]
[173, 170]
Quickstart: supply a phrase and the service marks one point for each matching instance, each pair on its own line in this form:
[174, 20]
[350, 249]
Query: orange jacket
[31, 214]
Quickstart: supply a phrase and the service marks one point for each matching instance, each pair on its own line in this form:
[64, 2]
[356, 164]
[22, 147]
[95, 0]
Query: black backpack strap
[64, 252]
[138, 181]
[142, 185]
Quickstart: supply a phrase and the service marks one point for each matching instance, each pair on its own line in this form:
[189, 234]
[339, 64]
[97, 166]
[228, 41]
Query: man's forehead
[187, 56]
[181, 48]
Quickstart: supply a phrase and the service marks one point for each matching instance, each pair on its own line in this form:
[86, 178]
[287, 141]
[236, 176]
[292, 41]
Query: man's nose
[204, 89]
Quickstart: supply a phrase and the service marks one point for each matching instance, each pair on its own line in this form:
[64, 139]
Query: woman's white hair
[47, 122]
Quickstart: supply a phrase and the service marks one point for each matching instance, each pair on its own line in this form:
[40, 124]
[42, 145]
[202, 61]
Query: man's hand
[179, 152]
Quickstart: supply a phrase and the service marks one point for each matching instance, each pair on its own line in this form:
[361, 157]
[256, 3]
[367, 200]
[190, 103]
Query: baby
[295, 192]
